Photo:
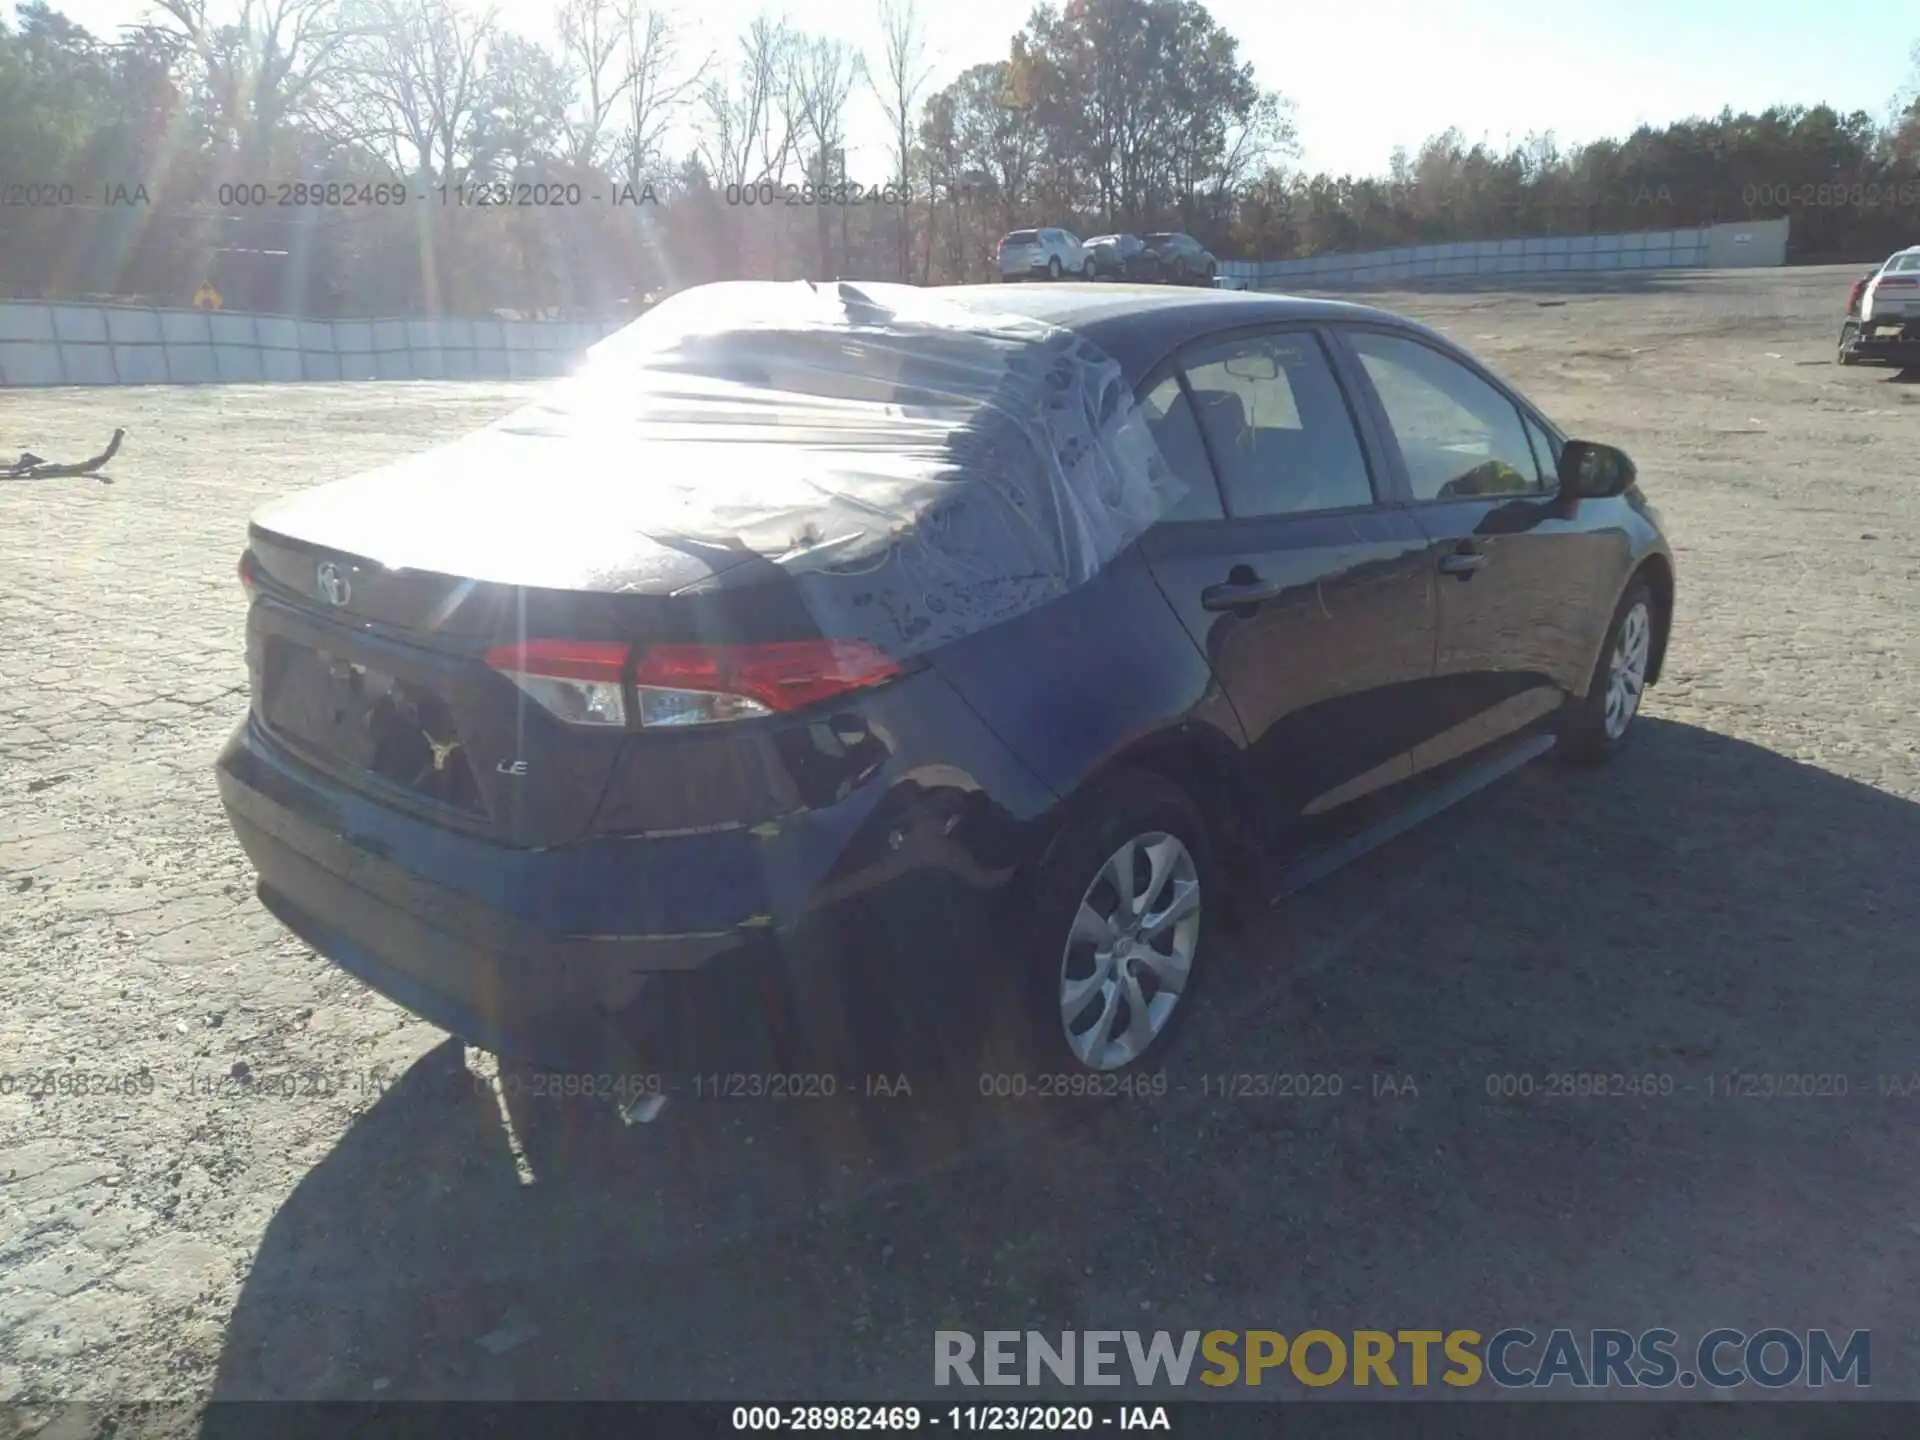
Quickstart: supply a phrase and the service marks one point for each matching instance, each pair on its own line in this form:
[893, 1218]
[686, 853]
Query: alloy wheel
[1129, 951]
[1627, 669]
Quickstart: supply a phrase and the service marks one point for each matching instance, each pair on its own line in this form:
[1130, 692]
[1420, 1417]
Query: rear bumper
[1886, 337]
[505, 948]
[664, 953]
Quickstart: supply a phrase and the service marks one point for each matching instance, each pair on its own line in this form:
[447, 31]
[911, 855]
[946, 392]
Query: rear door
[1522, 580]
[1311, 596]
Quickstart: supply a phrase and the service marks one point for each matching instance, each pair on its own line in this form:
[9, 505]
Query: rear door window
[1277, 424]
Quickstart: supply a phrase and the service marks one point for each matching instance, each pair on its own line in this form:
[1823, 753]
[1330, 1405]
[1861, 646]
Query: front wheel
[1117, 938]
[1849, 333]
[1599, 724]
[1089, 271]
[1053, 268]
[1212, 271]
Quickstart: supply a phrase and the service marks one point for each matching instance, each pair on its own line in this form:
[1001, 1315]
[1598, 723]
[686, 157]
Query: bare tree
[590, 42]
[653, 84]
[262, 66]
[824, 72]
[897, 82]
[749, 121]
[415, 85]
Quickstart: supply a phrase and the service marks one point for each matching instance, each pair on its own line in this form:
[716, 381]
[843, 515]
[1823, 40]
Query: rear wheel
[1212, 271]
[1088, 271]
[1849, 333]
[1598, 725]
[1117, 939]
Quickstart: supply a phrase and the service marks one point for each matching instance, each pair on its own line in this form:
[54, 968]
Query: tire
[1849, 333]
[1089, 271]
[1053, 268]
[1588, 734]
[1212, 271]
[1139, 815]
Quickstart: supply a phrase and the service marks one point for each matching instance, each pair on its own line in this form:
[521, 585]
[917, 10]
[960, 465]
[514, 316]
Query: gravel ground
[319, 1200]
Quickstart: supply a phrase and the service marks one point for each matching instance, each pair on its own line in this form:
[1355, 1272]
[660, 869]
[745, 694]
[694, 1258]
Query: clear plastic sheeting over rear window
[916, 470]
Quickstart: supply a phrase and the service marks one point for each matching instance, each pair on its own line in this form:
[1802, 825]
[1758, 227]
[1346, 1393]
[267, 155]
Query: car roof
[1140, 325]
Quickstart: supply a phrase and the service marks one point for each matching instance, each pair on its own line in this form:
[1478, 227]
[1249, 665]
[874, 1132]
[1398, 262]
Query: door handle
[1463, 563]
[1239, 594]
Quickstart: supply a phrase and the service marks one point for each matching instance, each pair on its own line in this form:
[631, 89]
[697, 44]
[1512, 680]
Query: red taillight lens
[246, 575]
[704, 684]
[576, 680]
[580, 680]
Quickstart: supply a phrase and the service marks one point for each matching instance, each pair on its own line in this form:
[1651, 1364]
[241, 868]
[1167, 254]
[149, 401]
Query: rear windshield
[881, 370]
[1903, 263]
[1160, 239]
[1021, 237]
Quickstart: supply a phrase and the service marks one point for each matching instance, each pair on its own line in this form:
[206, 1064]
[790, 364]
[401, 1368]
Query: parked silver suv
[1052, 253]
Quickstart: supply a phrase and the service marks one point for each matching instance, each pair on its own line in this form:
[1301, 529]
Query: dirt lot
[1737, 894]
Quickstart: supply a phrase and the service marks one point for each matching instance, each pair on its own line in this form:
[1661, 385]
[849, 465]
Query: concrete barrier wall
[94, 345]
[1765, 244]
[52, 344]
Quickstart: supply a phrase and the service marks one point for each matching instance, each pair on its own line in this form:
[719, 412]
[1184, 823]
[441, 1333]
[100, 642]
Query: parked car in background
[1883, 312]
[1173, 598]
[1183, 259]
[1052, 253]
[1122, 257]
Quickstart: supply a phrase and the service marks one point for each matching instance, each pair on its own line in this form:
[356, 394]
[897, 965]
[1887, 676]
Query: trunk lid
[374, 615]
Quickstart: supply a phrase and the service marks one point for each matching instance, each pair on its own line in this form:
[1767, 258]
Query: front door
[1518, 575]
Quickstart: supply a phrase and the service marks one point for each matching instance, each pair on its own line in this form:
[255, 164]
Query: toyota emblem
[331, 581]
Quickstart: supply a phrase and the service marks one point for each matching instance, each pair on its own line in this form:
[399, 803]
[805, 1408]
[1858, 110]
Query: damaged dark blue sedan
[833, 671]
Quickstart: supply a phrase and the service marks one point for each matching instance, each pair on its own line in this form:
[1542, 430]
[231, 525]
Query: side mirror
[1592, 471]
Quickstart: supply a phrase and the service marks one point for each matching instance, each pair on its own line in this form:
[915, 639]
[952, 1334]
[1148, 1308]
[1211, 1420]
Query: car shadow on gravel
[1701, 906]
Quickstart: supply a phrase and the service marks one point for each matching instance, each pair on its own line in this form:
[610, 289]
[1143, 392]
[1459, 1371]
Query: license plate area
[360, 718]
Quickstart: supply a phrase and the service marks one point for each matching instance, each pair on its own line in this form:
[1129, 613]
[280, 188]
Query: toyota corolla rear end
[570, 739]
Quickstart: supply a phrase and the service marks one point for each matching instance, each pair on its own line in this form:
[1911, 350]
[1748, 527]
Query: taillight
[706, 684]
[580, 680]
[246, 575]
[576, 680]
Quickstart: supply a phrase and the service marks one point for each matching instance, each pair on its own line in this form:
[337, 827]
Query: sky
[1369, 76]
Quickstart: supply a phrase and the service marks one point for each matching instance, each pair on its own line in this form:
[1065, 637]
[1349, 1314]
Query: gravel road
[322, 1197]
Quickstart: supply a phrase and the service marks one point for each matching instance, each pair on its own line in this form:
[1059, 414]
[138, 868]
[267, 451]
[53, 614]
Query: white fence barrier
[43, 344]
[1762, 242]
